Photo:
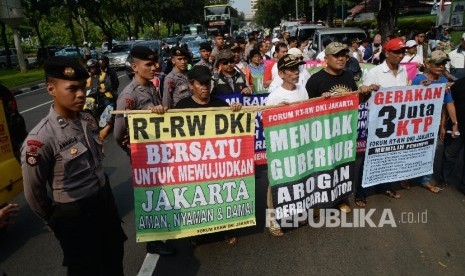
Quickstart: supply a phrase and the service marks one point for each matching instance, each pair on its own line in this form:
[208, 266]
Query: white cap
[274, 40]
[294, 51]
[411, 43]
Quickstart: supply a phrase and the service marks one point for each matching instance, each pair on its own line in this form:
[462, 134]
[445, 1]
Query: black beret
[199, 73]
[143, 53]
[205, 46]
[179, 51]
[218, 33]
[65, 68]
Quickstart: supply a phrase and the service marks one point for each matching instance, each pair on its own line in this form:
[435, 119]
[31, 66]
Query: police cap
[205, 46]
[64, 68]
[179, 51]
[143, 53]
[199, 73]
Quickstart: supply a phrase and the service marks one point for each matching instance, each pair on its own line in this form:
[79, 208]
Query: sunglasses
[226, 62]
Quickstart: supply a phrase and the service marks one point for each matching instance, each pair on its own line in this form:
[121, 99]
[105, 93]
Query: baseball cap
[438, 56]
[411, 43]
[294, 51]
[64, 68]
[394, 45]
[334, 48]
[225, 54]
[199, 73]
[274, 40]
[288, 61]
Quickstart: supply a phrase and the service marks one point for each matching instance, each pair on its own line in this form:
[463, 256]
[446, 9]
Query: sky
[242, 5]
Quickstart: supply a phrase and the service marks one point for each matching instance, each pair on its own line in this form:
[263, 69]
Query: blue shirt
[259, 70]
[420, 77]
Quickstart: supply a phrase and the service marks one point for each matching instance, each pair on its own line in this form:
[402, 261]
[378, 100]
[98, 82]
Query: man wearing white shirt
[303, 73]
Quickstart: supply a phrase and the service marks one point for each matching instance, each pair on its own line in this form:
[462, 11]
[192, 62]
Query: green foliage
[13, 77]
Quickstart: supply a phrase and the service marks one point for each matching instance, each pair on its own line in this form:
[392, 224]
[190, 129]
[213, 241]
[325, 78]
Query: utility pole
[342, 12]
[312, 3]
[12, 15]
[296, 10]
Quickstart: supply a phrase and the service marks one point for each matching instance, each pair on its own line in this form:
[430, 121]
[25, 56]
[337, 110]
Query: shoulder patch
[31, 158]
[130, 104]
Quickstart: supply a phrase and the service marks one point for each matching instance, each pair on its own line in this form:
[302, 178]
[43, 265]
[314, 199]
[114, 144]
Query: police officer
[176, 84]
[205, 51]
[140, 94]
[63, 152]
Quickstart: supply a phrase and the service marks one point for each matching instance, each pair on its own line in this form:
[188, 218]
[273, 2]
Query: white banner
[403, 124]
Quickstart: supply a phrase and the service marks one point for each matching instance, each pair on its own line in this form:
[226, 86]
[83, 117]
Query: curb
[28, 89]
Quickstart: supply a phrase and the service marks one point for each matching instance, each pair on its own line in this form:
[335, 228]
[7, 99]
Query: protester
[411, 55]
[373, 51]
[454, 142]
[63, 152]
[271, 70]
[140, 94]
[175, 85]
[423, 50]
[303, 73]
[354, 50]
[229, 79]
[321, 55]
[256, 63]
[387, 74]
[434, 73]
[363, 45]
[241, 66]
[263, 47]
[288, 92]
[457, 60]
[352, 64]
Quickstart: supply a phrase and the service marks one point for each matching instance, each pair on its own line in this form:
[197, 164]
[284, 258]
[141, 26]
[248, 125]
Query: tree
[270, 12]
[387, 17]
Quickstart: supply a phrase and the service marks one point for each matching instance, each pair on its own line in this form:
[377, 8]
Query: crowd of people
[63, 152]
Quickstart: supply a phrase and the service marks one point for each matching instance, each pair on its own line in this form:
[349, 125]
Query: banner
[402, 133]
[258, 84]
[311, 153]
[252, 100]
[193, 173]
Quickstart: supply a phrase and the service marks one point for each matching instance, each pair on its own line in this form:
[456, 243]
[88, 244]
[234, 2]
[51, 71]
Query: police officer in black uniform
[62, 156]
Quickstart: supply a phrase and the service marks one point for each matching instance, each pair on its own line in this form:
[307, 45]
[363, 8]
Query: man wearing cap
[423, 50]
[176, 85]
[333, 80]
[303, 73]
[240, 65]
[457, 60]
[434, 73]
[140, 94]
[229, 79]
[63, 152]
[387, 74]
[288, 92]
[205, 51]
[411, 54]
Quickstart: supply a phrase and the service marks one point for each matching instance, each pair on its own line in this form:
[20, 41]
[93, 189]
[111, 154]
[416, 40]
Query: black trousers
[90, 234]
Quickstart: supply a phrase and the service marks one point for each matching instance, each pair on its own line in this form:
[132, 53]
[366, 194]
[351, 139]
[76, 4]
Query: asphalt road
[426, 238]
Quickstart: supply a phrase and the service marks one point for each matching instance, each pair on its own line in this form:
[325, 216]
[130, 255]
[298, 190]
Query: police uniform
[67, 155]
[176, 84]
[135, 96]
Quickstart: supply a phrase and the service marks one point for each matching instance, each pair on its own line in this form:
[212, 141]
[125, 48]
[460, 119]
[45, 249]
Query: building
[252, 7]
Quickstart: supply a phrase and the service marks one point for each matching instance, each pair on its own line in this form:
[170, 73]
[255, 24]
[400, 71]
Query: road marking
[32, 108]
[148, 267]
[22, 94]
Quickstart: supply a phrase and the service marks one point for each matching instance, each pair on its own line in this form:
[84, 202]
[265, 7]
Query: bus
[221, 17]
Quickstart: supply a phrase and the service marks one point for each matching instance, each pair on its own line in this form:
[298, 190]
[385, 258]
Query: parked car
[13, 58]
[46, 52]
[188, 38]
[155, 45]
[307, 31]
[105, 45]
[172, 41]
[336, 34]
[119, 54]
[193, 47]
[70, 51]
